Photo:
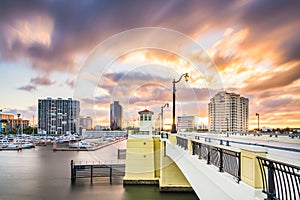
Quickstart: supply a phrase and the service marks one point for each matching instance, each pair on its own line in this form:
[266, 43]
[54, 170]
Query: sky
[103, 51]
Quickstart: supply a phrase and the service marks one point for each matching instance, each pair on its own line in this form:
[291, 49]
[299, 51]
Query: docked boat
[80, 144]
[13, 146]
[4, 143]
[27, 145]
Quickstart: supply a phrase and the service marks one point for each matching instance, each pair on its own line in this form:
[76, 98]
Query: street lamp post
[162, 115]
[257, 114]
[186, 76]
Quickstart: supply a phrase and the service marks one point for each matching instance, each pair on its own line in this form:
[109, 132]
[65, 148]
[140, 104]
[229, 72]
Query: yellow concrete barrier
[250, 170]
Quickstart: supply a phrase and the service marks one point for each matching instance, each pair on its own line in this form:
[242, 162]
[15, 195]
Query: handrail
[182, 142]
[280, 180]
[221, 140]
[226, 160]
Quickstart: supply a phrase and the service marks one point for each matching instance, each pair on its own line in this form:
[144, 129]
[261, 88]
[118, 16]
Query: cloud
[26, 113]
[273, 29]
[276, 79]
[58, 31]
[27, 88]
[70, 83]
[41, 80]
[258, 55]
[97, 100]
[64, 30]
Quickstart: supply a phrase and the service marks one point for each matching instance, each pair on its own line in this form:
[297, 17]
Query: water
[40, 173]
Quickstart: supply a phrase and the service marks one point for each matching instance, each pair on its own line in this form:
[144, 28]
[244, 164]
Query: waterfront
[40, 173]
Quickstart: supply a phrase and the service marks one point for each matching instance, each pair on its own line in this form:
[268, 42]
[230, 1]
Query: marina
[45, 174]
[77, 147]
[58, 143]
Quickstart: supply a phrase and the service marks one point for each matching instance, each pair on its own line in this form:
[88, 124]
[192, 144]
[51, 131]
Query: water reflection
[40, 173]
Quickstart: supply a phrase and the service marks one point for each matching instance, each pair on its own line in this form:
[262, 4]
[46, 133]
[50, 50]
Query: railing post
[239, 166]
[208, 155]
[271, 184]
[221, 160]
[193, 148]
[199, 150]
[221, 142]
[227, 143]
[186, 142]
[73, 172]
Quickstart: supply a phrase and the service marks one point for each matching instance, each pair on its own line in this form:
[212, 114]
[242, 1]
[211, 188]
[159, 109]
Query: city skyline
[254, 45]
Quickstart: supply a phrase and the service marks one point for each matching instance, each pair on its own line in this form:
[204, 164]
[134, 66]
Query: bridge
[212, 170]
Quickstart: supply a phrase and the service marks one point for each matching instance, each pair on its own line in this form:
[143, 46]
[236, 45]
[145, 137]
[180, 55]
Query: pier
[10, 149]
[55, 148]
[96, 170]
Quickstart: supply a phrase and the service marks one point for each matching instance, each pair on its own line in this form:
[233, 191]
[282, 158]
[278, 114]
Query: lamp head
[167, 105]
[186, 76]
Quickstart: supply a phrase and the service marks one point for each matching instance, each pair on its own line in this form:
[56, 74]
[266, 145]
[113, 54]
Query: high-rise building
[58, 116]
[116, 116]
[86, 123]
[228, 112]
[186, 123]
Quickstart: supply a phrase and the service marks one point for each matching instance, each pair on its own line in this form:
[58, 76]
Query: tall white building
[228, 112]
[58, 116]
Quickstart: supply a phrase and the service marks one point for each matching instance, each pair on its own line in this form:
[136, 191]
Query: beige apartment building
[228, 112]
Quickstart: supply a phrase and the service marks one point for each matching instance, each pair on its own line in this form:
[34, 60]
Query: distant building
[186, 123]
[116, 116]
[228, 112]
[58, 116]
[146, 123]
[9, 122]
[105, 135]
[86, 123]
[101, 128]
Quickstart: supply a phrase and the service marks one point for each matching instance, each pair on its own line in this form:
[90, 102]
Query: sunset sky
[252, 45]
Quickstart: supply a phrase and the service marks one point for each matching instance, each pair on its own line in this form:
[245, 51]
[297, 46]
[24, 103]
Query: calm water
[40, 173]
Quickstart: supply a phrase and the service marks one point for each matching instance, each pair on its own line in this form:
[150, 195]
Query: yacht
[27, 145]
[81, 144]
[13, 146]
[4, 143]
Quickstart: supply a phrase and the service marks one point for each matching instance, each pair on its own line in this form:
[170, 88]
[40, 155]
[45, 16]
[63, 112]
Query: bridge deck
[205, 179]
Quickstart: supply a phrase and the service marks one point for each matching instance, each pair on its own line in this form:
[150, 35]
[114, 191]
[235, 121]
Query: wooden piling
[110, 175]
[91, 173]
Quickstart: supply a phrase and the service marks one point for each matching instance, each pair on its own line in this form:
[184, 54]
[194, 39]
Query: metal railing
[281, 181]
[182, 142]
[226, 160]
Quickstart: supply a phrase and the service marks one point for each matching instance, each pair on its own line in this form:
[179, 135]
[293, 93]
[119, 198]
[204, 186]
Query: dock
[98, 170]
[10, 149]
[55, 148]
